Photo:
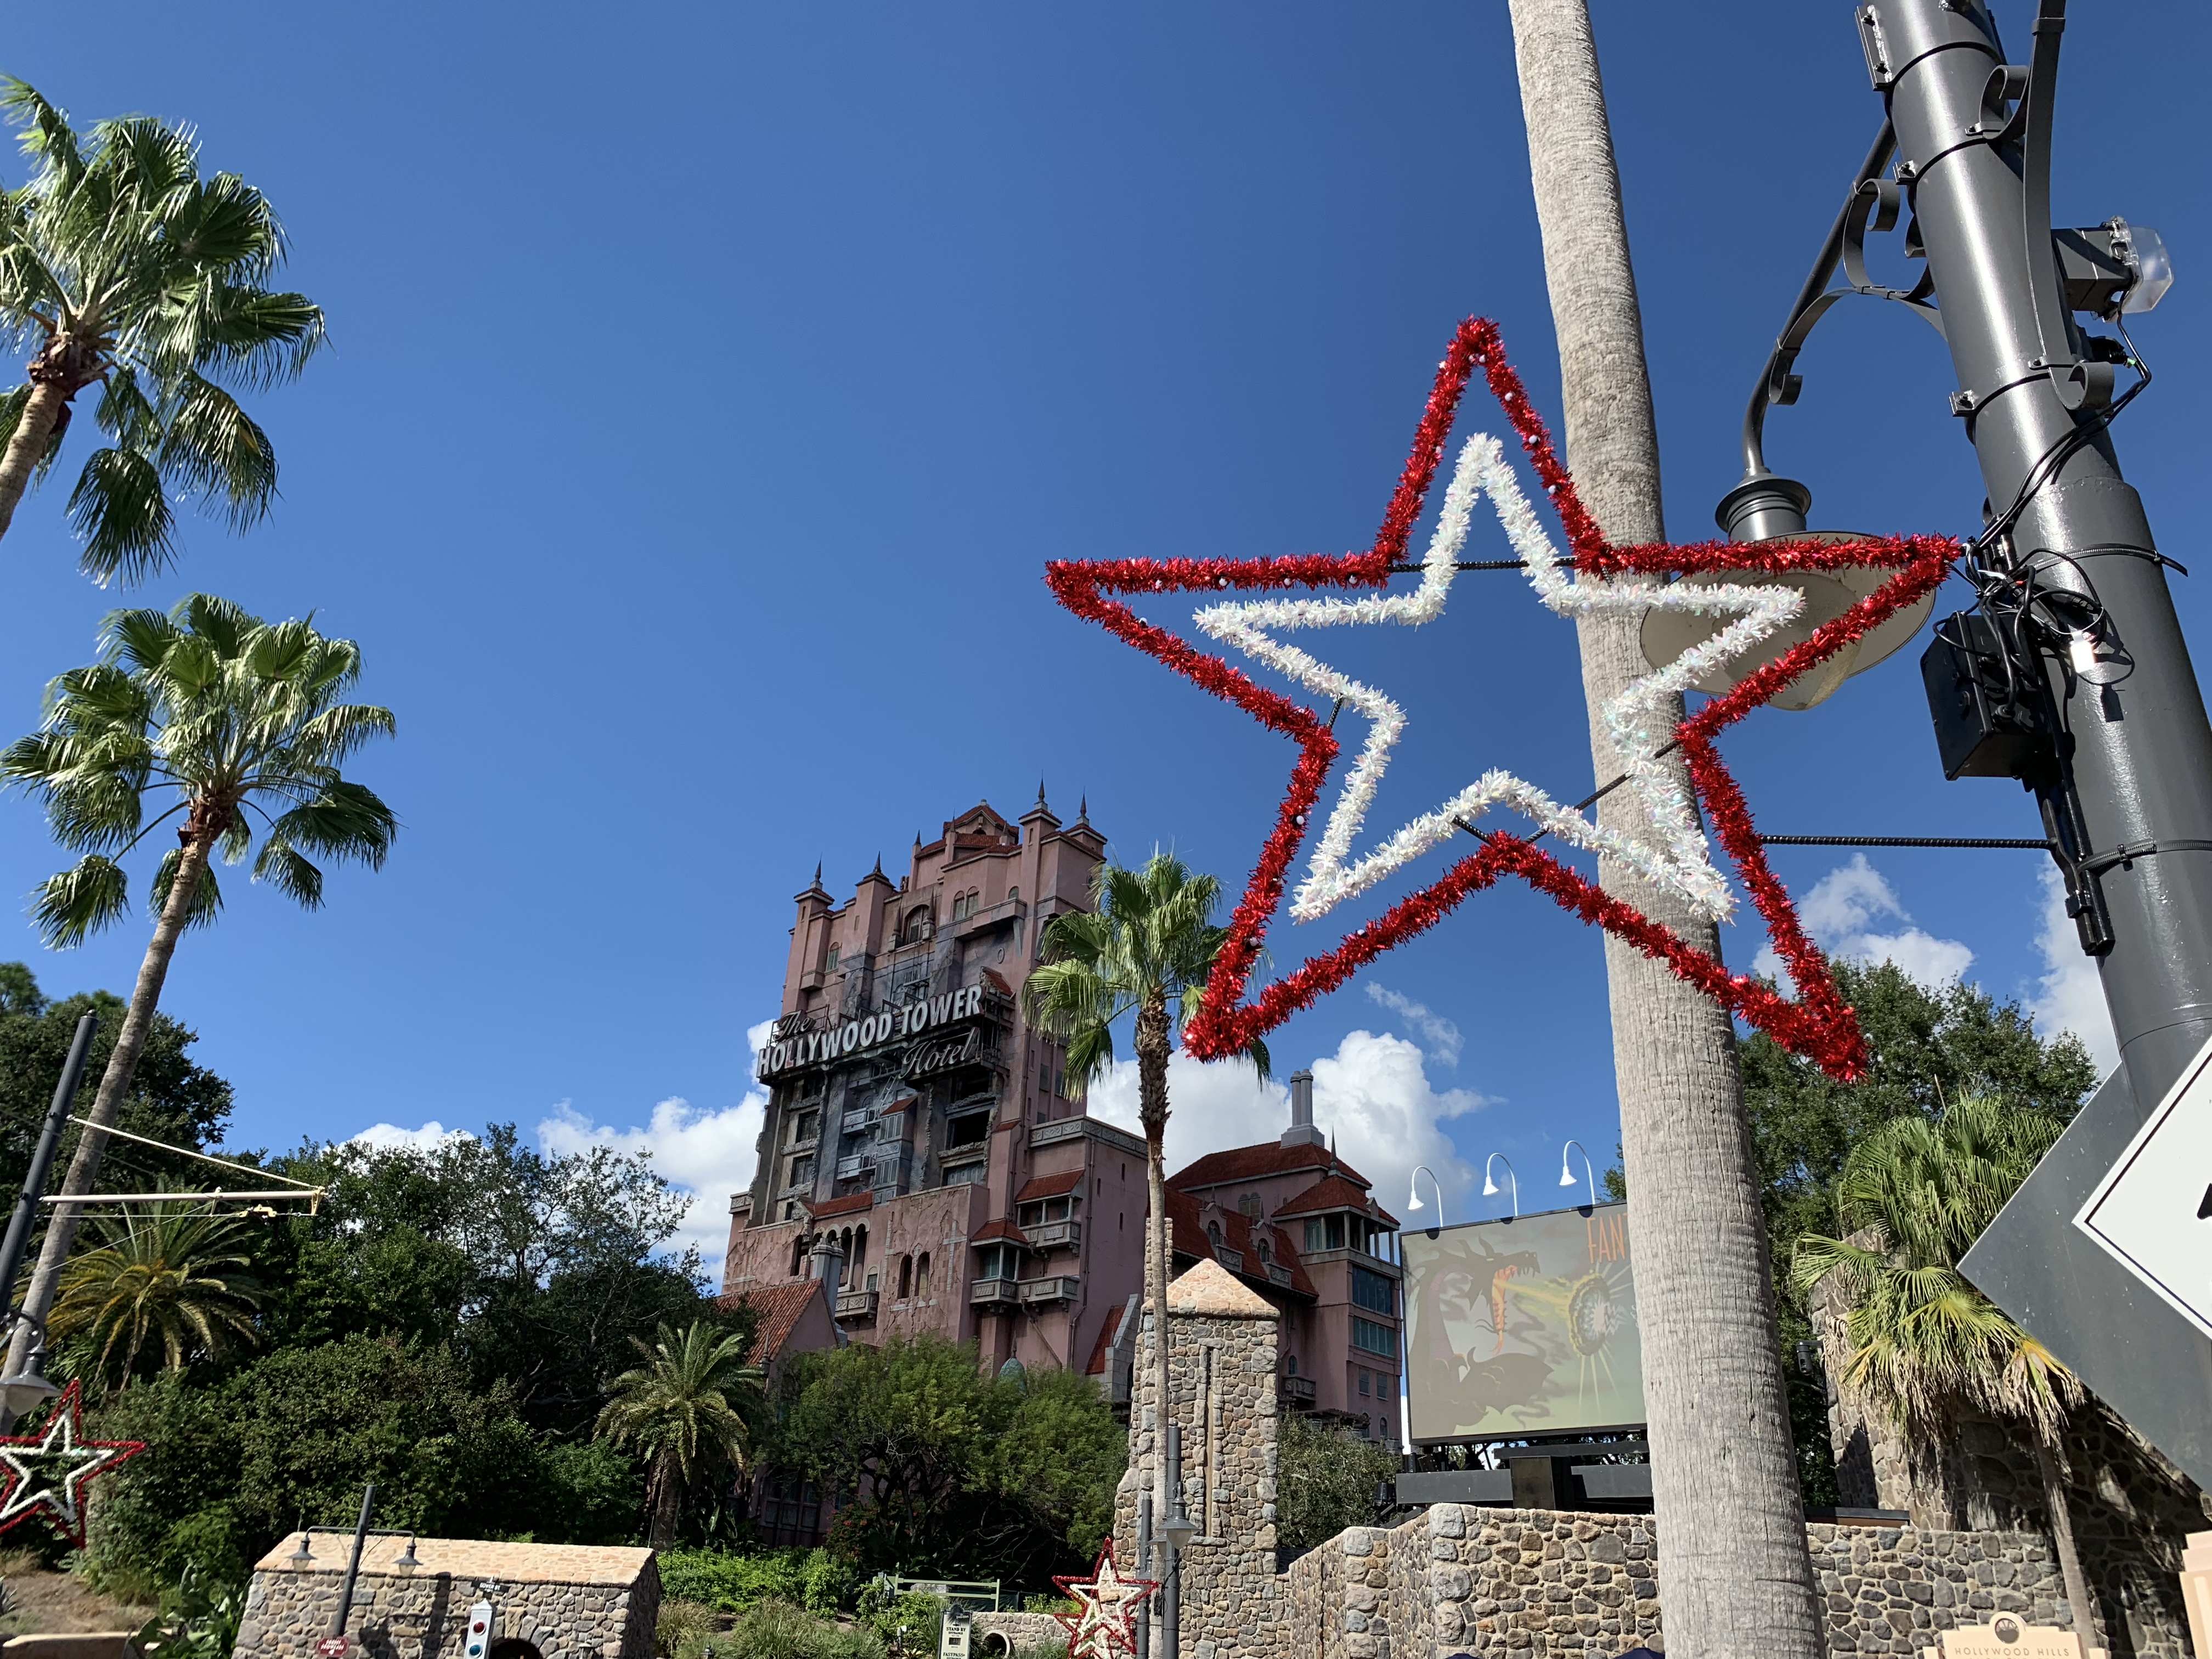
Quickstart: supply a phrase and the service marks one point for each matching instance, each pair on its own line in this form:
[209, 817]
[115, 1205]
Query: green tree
[690, 1409]
[123, 268]
[1145, 949]
[1005, 1476]
[1924, 1343]
[224, 717]
[1326, 1482]
[171, 1099]
[1926, 1045]
[174, 1280]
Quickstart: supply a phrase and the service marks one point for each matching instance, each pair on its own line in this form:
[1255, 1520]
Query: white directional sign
[2153, 1210]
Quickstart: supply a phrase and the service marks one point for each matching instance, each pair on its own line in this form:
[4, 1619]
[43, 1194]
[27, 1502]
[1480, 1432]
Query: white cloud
[387, 1137]
[2072, 995]
[1374, 1094]
[708, 1154]
[1836, 912]
[1443, 1041]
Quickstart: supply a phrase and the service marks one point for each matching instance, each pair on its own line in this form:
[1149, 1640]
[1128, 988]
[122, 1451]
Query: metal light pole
[1144, 1630]
[1178, 1529]
[19, 1394]
[2071, 674]
[2141, 750]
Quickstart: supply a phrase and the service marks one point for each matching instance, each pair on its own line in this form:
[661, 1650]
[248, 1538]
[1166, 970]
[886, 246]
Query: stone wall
[1538, 1584]
[1221, 1363]
[567, 1601]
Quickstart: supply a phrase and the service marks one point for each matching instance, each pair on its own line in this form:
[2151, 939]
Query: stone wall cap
[1210, 1290]
[464, 1557]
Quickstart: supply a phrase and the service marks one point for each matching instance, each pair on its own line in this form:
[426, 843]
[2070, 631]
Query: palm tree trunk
[29, 445]
[2048, 1465]
[662, 1494]
[1154, 1039]
[1724, 1484]
[198, 842]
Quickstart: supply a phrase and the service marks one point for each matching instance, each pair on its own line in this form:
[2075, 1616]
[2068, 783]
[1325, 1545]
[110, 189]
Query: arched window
[1213, 1232]
[831, 966]
[859, 1253]
[916, 927]
[1013, 895]
[1267, 1251]
[798, 1257]
[922, 1277]
[1290, 1365]
[906, 1276]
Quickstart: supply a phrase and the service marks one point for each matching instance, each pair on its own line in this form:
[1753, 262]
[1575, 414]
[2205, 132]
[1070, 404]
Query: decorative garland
[1818, 1024]
[1677, 863]
[1110, 1602]
[48, 1473]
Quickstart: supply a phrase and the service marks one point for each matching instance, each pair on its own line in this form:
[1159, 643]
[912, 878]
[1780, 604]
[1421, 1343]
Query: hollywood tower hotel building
[921, 1154]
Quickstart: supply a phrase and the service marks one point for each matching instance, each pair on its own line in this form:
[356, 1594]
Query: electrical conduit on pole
[2140, 748]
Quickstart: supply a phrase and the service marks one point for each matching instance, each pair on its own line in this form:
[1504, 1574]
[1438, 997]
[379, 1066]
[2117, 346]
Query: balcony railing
[1295, 1391]
[994, 1294]
[1060, 1287]
[1055, 1235]
[856, 1305]
[851, 1169]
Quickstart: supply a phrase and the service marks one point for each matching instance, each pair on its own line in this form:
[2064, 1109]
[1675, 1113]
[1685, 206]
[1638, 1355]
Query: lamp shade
[1828, 593]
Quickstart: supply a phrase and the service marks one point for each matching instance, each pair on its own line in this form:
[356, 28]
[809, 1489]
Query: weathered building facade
[922, 1155]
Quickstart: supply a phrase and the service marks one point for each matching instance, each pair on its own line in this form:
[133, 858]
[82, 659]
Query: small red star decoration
[1109, 1603]
[1819, 1024]
[49, 1471]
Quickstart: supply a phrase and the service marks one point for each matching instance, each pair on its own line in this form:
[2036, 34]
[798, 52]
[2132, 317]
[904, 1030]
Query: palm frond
[120, 510]
[207, 892]
[71, 906]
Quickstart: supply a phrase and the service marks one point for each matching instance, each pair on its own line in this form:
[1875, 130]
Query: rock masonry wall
[567, 1601]
[1546, 1585]
[1221, 1363]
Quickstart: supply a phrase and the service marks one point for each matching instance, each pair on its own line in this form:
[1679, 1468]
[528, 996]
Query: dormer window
[1213, 1233]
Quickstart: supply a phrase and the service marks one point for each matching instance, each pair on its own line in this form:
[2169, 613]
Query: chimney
[1302, 1131]
[827, 1263]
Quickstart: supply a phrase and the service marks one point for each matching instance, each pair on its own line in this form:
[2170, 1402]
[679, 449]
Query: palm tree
[690, 1409]
[174, 1278]
[1145, 948]
[224, 717]
[1723, 1473]
[121, 267]
[1922, 1343]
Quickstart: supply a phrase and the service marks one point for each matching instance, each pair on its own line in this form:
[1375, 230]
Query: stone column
[1221, 1363]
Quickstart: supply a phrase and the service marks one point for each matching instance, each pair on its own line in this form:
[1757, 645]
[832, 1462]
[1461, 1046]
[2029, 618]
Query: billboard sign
[1523, 1327]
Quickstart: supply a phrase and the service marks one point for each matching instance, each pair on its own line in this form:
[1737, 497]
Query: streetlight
[1413, 1191]
[1178, 1530]
[1567, 1176]
[1490, 1181]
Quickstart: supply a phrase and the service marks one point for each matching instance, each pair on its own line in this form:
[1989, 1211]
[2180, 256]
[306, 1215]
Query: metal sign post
[337, 1632]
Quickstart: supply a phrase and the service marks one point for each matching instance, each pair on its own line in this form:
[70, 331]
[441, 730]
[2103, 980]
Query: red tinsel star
[49, 1471]
[1109, 1603]
[1819, 1024]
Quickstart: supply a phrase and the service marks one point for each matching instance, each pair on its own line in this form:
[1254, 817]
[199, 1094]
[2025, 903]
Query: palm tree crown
[228, 717]
[689, 1408]
[171, 1279]
[1147, 945]
[122, 267]
[1913, 1197]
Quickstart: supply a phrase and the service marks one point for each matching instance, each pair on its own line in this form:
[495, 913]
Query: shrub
[777, 1629]
[729, 1582]
[921, 1617]
[681, 1630]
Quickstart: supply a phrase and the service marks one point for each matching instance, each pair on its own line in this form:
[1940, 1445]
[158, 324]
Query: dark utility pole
[1973, 143]
[18, 1241]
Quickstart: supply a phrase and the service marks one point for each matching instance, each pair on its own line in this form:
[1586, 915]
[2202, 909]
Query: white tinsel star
[1673, 854]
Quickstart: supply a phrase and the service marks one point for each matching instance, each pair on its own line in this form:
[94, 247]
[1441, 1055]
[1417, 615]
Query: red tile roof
[845, 1206]
[990, 1231]
[996, 983]
[1099, 1349]
[1187, 1218]
[1268, 1158]
[778, 1307]
[1051, 1186]
[1336, 1193]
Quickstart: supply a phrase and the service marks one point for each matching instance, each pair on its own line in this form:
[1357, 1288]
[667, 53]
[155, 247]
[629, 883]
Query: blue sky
[711, 384]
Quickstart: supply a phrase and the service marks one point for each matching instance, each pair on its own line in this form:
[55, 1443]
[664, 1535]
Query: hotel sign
[784, 1052]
